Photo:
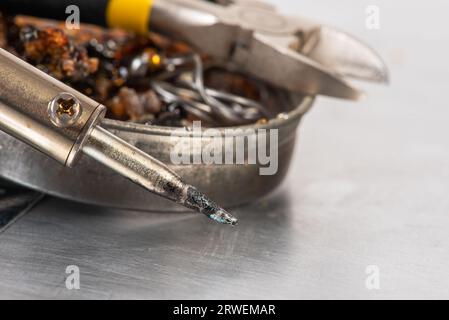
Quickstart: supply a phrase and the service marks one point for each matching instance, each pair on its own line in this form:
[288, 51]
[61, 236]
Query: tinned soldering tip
[223, 216]
[198, 201]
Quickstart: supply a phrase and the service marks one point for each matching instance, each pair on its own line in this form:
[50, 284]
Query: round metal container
[90, 182]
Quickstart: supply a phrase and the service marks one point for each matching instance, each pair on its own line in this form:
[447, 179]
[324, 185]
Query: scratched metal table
[369, 187]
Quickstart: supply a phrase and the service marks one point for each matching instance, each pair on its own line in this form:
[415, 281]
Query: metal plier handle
[292, 53]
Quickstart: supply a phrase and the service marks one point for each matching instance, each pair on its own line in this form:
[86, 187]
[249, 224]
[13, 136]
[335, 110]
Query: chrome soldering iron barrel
[44, 112]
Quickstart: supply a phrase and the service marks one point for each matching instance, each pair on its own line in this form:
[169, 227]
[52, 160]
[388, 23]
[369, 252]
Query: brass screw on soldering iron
[64, 110]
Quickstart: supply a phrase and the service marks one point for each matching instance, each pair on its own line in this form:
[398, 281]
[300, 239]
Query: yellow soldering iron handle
[132, 15]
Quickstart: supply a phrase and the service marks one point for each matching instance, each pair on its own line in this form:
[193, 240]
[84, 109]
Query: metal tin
[90, 182]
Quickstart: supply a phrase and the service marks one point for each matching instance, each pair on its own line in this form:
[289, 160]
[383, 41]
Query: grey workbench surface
[369, 187]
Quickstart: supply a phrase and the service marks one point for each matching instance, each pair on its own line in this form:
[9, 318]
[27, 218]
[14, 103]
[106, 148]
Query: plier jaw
[295, 54]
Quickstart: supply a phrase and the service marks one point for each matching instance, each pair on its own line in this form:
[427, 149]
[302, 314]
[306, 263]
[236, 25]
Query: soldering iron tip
[197, 200]
[225, 217]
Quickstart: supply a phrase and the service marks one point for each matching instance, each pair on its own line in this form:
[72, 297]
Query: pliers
[292, 53]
